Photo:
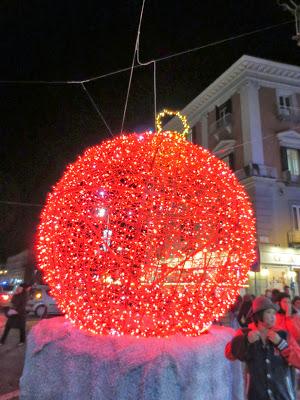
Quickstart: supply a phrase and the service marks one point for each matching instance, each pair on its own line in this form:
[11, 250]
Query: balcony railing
[294, 237]
[252, 169]
[291, 114]
[222, 128]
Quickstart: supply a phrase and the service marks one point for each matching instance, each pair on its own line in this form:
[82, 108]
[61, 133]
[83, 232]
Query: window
[290, 159]
[293, 161]
[222, 113]
[285, 104]
[296, 217]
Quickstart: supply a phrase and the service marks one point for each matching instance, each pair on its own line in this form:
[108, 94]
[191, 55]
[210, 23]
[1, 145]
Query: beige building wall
[271, 126]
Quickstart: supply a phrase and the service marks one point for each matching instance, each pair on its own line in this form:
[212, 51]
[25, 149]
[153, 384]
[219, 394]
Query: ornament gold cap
[182, 118]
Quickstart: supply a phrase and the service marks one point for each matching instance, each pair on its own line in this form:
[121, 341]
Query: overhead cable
[215, 43]
[96, 108]
[132, 66]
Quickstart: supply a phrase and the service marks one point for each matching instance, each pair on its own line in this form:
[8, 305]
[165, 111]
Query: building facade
[19, 268]
[250, 118]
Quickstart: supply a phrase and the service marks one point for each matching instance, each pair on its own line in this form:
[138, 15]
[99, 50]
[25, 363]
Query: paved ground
[12, 361]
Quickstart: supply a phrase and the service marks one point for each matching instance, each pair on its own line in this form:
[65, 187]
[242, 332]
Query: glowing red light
[146, 234]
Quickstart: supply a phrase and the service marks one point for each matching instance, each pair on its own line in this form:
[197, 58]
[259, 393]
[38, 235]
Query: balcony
[252, 169]
[222, 128]
[291, 114]
[294, 238]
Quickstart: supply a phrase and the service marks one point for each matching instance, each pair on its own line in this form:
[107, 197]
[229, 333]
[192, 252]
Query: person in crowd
[286, 290]
[287, 318]
[243, 315]
[234, 311]
[265, 352]
[275, 295]
[16, 316]
[296, 304]
[268, 293]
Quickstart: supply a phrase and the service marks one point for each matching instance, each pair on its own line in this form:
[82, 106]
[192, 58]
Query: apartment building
[250, 118]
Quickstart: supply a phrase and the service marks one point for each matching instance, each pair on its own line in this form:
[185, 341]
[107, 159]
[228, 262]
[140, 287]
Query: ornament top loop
[182, 118]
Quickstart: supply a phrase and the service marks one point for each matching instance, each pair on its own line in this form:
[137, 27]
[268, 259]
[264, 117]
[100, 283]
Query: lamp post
[294, 9]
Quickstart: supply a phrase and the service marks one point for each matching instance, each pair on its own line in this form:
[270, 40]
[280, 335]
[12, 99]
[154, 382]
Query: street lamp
[294, 9]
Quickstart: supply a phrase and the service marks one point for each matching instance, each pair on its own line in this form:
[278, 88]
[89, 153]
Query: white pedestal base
[63, 363]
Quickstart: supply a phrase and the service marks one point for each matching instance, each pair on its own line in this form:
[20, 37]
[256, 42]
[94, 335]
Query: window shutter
[284, 161]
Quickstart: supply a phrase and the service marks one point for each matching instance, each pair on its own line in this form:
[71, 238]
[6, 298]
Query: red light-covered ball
[148, 235]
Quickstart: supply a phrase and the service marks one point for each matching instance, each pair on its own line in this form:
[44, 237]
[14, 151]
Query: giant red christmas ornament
[146, 234]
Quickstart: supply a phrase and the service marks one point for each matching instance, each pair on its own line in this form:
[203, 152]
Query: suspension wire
[211, 44]
[132, 66]
[140, 63]
[96, 108]
[155, 94]
[217, 42]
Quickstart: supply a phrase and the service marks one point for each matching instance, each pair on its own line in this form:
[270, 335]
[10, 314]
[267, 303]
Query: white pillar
[251, 124]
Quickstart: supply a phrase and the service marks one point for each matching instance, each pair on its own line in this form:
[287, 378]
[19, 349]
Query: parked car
[6, 293]
[41, 303]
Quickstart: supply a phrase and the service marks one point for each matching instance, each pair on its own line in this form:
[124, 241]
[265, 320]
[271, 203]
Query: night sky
[45, 127]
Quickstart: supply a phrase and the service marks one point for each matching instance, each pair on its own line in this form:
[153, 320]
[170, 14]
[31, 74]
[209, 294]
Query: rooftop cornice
[244, 69]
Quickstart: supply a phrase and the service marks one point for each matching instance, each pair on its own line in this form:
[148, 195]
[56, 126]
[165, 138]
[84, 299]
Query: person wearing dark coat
[17, 318]
[265, 352]
[245, 307]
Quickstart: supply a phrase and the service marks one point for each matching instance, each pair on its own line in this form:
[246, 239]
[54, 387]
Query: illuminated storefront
[278, 267]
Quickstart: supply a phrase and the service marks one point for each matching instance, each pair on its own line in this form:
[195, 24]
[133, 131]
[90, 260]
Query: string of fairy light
[146, 234]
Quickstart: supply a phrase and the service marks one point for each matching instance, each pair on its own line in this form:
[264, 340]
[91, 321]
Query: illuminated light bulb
[101, 212]
[148, 237]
